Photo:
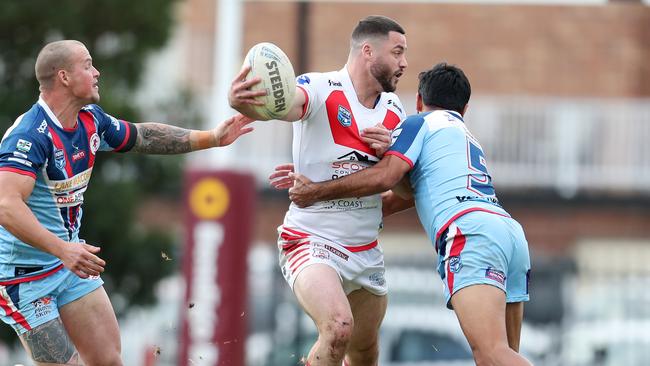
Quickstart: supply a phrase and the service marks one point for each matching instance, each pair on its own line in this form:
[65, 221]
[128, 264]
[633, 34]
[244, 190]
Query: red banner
[219, 209]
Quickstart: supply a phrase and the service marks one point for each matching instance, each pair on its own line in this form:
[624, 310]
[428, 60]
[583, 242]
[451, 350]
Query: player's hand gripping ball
[273, 66]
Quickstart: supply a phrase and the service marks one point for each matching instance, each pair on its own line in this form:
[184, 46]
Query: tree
[119, 35]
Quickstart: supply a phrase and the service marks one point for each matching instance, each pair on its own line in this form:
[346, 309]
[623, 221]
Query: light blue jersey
[449, 174]
[476, 239]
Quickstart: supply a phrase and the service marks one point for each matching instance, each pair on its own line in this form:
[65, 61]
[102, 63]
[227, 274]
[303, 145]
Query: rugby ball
[273, 66]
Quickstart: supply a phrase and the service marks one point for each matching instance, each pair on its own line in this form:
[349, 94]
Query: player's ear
[366, 49]
[464, 110]
[62, 75]
[419, 105]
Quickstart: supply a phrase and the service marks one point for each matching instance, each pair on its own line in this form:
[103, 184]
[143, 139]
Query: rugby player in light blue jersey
[50, 289]
[483, 256]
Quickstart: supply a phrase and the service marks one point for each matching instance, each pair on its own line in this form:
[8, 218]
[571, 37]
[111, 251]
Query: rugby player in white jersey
[329, 253]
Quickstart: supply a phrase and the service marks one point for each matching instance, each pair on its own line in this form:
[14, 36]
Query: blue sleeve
[408, 139]
[115, 134]
[23, 153]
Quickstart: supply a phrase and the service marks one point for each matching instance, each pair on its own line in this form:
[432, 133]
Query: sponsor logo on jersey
[94, 143]
[455, 264]
[72, 184]
[303, 79]
[70, 200]
[43, 306]
[395, 134]
[495, 275]
[334, 83]
[23, 145]
[390, 102]
[353, 155]
[59, 159]
[42, 127]
[344, 116]
[78, 155]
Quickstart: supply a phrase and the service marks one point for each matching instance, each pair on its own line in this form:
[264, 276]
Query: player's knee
[365, 354]
[489, 355]
[108, 358]
[337, 331]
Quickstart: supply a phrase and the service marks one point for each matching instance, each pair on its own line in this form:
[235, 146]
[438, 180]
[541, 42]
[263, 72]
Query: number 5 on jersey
[481, 182]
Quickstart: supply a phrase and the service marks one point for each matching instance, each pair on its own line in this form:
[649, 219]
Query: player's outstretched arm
[380, 178]
[19, 220]
[159, 138]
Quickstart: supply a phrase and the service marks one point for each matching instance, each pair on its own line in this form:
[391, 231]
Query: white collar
[49, 112]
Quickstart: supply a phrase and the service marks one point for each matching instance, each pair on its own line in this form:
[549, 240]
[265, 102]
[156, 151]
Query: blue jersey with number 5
[449, 174]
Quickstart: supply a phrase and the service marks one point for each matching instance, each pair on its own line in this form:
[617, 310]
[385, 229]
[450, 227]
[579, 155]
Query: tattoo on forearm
[50, 343]
[157, 138]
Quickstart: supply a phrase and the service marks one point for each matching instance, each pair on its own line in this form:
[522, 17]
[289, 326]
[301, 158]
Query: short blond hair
[53, 57]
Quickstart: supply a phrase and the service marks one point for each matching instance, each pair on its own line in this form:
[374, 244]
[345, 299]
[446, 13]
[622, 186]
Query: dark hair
[374, 26]
[444, 86]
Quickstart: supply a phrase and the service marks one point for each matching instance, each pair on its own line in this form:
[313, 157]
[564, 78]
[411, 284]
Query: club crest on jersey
[303, 79]
[94, 143]
[344, 116]
[23, 145]
[59, 159]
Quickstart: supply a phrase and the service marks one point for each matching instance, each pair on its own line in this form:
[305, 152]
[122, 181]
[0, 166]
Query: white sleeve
[310, 85]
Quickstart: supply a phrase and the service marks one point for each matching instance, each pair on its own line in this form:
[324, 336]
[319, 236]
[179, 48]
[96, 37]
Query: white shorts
[357, 267]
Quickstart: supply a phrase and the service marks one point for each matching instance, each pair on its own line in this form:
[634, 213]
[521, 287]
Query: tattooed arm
[158, 138]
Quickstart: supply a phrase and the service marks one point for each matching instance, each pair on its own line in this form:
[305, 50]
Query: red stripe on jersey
[304, 106]
[456, 247]
[32, 278]
[361, 248]
[89, 124]
[344, 135]
[18, 171]
[59, 145]
[391, 120]
[126, 136]
[401, 156]
[17, 316]
[453, 218]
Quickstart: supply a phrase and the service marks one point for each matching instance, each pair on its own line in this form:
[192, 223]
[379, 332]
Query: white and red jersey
[327, 145]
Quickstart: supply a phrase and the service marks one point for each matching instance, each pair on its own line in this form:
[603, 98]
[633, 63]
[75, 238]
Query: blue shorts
[484, 248]
[26, 305]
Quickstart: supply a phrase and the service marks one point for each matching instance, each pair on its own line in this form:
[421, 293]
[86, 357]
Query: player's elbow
[5, 209]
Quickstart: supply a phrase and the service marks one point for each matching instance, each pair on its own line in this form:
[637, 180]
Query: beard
[382, 73]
